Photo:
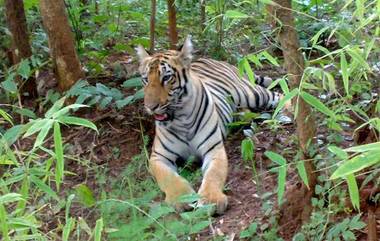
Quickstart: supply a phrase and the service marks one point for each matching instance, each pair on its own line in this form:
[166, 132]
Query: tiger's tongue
[160, 117]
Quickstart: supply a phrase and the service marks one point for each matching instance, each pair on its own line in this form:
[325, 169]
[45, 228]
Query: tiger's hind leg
[170, 182]
[215, 168]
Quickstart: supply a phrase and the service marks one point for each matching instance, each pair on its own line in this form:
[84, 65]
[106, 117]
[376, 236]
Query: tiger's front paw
[214, 197]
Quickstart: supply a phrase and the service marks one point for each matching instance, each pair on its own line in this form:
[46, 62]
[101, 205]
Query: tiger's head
[164, 79]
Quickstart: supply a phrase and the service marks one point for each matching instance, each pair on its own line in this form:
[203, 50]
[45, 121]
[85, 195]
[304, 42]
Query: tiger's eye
[166, 78]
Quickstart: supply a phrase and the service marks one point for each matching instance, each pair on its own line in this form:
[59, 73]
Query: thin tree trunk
[61, 42]
[152, 24]
[203, 14]
[96, 7]
[173, 34]
[372, 230]
[294, 64]
[21, 48]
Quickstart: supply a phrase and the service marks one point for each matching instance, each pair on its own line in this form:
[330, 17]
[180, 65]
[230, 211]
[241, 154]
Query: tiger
[192, 102]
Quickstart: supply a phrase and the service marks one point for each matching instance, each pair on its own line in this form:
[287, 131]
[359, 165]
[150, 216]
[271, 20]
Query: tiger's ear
[186, 51]
[141, 53]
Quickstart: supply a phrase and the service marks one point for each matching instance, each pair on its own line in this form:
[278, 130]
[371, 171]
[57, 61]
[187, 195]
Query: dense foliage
[56, 186]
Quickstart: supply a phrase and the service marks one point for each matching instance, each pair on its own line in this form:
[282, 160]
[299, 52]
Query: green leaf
[72, 120]
[121, 103]
[235, 14]
[84, 226]
[4, 223]
[364, 148]
[26, 112]
[43, 133]
[160, 211]
[316, 36]
[311, 100]
[5, 161]
[66, 109]
[68, 205]
[67, 229]
[104, 102]
[98, 230]
[10, 197]
[270, 58]
[345, 72]
[353, 190]
[35, 127]
[43, 187]
[248, 70]
[340, 153]
[189, 198]
[138, 95]
[58, 149]
[302, 172]
[57, 106]
[356, 224]
[134, 82]
[24, 69]
[85, 195]
[277, 158]
[357, 163]
[284, 100]
[9, 84]
[199, 226]
[247, 149]
[281, 180]
[6, 116]
[348, 235]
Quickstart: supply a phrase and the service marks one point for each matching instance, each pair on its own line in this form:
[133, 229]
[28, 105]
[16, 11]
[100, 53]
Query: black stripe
[171, 161]
[167, 148]
[208, 136]
[213, 146]
[176, 136]
[205, 107]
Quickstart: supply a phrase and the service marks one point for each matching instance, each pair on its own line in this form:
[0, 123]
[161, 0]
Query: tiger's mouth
[161, 117]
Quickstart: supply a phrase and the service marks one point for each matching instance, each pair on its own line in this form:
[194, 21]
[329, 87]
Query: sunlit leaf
[72, 120]
[285, 100]
[85, 195]
[353, 190]
[340, 153]
[247, 149]
[302, 172]
[313, 101]
[10, 197]
[357, 163]
[57, 106]
[58, 149]
[345, 72]
[43, 132]
[235, 14]
[6, 116]
[281, 180]
[270, 58]
[98, 230]
[363, 148]
[67, 229]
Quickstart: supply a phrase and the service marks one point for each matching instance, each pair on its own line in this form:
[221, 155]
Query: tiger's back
[230, 90]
